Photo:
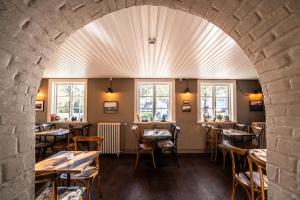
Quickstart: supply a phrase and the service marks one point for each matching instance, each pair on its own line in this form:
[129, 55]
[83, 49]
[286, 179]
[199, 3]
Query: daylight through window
[68, 99]
[154, 101]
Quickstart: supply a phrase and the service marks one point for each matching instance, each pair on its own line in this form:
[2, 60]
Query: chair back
[172, 128]
[237, 156]
[215, 134]
[136, 132]
[261, 169]
[175, 135]
[95, 139]
[240, 127]
[257, 131]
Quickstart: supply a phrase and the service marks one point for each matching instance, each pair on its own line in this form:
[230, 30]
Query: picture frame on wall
[186, 106]
[110, 107]
[257, 105]
[39, 105]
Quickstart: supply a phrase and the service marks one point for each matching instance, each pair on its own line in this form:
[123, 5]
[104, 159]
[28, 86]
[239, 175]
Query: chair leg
[152, 154]
[137, 158]
[224, 152]
[216, 153]
[233, 190]
[212, 152]
[88, 189]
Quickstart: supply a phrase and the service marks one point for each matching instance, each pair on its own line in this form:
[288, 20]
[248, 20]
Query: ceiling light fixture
[109, 89]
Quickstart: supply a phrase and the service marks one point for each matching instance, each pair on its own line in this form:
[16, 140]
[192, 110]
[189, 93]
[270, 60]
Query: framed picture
[110, 107]
[39, 105]
[256, 105]
[186, 107]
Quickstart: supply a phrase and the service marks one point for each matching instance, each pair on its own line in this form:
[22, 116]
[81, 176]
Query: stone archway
[268, 31]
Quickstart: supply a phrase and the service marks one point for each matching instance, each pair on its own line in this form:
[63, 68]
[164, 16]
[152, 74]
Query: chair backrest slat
[96, 139]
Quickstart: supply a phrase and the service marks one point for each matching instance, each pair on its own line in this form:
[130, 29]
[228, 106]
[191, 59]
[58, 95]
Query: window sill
[217, 122]
[68, 122]
[168, 122]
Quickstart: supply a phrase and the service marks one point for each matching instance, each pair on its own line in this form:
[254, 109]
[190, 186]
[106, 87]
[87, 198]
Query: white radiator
[112, 135]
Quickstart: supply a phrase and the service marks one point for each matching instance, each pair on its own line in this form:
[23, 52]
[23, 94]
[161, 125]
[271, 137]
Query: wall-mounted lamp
[257, 95]
[187, 89]
[109, 89]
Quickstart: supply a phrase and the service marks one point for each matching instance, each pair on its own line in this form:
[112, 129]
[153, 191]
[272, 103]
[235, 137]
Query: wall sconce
[109, 89]
[257, 95]
[187, 89]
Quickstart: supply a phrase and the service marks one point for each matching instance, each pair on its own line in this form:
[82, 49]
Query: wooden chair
[170, 145]
[257, 131]
[239, 175]
[142, 146]
[41, 146]
[240, 127]
[258, 179]
[213, 138]
[222, 145]
[90, 173]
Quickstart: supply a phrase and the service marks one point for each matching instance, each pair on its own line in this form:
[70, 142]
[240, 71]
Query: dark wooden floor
[197, 178]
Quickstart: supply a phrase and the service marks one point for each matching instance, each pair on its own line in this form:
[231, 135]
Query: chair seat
[89, 172]
[146, 146]
[244, 177]
[63, 193]
[165, 144]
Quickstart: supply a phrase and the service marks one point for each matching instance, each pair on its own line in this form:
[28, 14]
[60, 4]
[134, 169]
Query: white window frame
[170, 82]
[51, 94]
[232, 97]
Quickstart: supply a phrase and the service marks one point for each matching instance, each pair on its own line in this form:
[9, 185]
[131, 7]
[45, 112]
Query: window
[154, 100]
[67, 99]
[217, 100]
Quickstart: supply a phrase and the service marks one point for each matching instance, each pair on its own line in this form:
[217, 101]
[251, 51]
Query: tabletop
[53, 132]
[156, 134]
[260, 154]
[234, 132]
[58, 163]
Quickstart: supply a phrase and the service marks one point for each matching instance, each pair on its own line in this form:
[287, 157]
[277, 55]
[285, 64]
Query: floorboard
[196, 178]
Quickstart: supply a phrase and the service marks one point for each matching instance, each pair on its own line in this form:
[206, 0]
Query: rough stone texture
[267, 30]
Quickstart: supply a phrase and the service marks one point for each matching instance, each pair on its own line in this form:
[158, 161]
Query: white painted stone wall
[31, 30]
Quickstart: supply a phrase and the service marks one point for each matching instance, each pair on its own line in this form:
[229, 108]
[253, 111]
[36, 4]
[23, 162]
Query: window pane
[78, 107]
[208, 113]
[63, 90]
[163, 102]
[163, 90]
[222, 91]
[207, 102]
[222, 106]
[206, 90]
[144, 113]
[146, 103]
[146, 90]
[161, 113]
[78, 90]
[62, 107]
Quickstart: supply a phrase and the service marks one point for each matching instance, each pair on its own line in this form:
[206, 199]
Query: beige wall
[191, 139]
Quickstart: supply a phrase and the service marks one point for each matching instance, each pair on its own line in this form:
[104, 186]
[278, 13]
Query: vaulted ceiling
[183, 46]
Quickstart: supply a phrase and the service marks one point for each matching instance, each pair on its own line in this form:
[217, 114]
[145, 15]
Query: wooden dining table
[53, 132]
[156, 134]
[233, 133]
[68, 162]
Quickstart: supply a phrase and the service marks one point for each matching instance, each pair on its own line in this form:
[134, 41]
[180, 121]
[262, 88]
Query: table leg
[54, 188]
[68, 180]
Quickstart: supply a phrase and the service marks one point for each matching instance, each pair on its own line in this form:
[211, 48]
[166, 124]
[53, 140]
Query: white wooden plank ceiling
[117, 45]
